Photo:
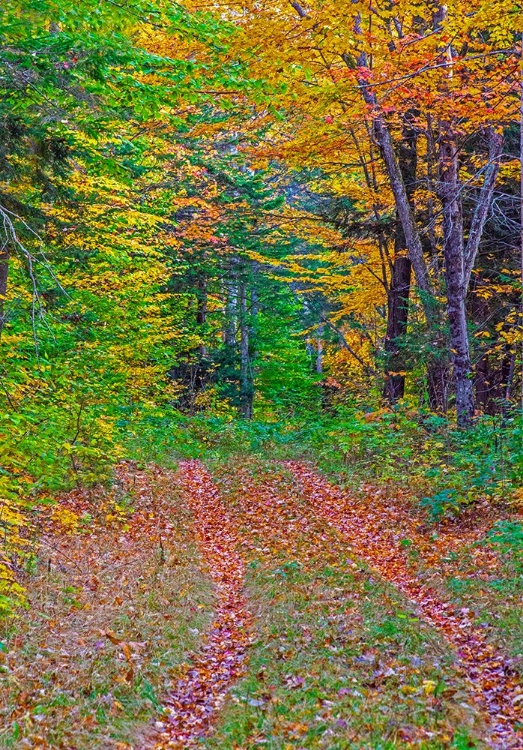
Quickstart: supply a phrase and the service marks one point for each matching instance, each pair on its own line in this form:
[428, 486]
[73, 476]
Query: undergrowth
[446, 469]
[449, 469]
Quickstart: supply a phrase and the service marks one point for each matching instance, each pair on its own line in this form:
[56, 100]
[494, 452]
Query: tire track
[494, 684]
[200, 693]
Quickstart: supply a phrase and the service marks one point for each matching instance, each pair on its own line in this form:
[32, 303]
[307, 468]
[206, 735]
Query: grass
[118, 598]
[116, 604]
[340, 660]
[486, 578]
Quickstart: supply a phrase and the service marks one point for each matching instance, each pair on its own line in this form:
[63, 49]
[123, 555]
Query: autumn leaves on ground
[253, 603]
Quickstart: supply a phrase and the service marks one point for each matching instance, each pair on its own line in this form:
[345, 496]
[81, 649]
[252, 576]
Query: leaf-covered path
[304, 523]
[370, 532]
[200, 693]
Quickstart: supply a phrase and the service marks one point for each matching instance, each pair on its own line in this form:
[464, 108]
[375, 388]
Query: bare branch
[484, 204]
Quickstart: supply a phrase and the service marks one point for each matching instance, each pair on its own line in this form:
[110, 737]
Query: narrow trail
[200, 693]
[279, 528]
[494, 684]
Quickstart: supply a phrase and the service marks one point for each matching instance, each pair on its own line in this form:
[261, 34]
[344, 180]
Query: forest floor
[254, 604]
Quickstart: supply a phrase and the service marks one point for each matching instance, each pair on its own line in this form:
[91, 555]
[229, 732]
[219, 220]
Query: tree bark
[438, 377]
[253, 323]
[397, 184]
[405, 213]
[4, 272]
[459, 259]
[483, 205]
[246, 390]
[230, 322]
[201, 308]
[453, 252]
[319, 349]
[397, 320]
[399, 290]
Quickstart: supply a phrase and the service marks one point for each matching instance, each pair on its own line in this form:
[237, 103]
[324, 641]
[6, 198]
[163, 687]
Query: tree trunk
[493, 382]
[230, 322]
[399, 291]
[453, 252]
[201, 309]
[482, 384]
[438, 383]
[246, 390]
[319, 349]
[397, 319]
[4, 271]
[405, 214]
[414, 245]
[253, 322]
[509, 379]
[459, 259]
[436, 370]
[397, 184]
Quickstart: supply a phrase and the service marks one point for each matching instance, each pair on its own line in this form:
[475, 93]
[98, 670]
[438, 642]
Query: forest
[261, 374]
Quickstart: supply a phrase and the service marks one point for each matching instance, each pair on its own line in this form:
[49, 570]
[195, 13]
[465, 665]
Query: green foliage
[452, 468]
[507, 537]
[485, 461]
[85, 335]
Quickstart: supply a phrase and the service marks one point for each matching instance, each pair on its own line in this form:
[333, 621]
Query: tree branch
[299, 10]
[346, 345]
[483, 205]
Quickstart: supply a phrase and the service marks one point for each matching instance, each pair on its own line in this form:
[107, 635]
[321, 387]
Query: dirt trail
[200, 693]
[279, 529]
[495, 685]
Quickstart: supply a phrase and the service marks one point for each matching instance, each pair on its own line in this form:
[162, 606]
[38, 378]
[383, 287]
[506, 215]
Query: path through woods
[493, 681]
[241, 523]
[202, 690]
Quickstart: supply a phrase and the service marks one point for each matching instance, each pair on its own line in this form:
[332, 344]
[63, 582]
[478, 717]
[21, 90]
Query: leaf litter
[333, 664]
[290, 533]
[371, 533]
[116, 595]
[200, 693]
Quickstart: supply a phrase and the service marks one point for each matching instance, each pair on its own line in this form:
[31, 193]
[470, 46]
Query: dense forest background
[259, 226]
